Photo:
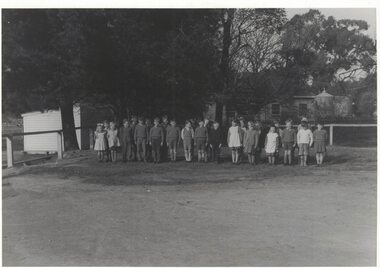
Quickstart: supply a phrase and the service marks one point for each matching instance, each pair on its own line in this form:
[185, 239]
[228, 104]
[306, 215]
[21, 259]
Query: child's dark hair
[125, 120]
[172, 121]
[156, 119]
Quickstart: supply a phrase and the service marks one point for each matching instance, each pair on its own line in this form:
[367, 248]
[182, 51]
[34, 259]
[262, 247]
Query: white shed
[85, 116]
[46, 121]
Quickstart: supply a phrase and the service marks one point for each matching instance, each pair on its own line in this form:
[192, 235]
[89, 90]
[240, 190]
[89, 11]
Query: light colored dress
[113, 139]
[100, 141]
[234, 137]
[271, 143]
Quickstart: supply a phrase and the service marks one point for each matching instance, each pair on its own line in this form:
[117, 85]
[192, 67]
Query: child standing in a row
[156, 140]
[200, 141]
[251, 142]
[100, 141]
[304, 141]
[289, 142]
[235, 140]
[126, 137]
[271, 144]
[141, 139]
[113, 140]
[173, 135]
[320, 140]
[187, 135]
[215, 142]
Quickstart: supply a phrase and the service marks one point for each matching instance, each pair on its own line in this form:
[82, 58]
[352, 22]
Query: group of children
[141, 141]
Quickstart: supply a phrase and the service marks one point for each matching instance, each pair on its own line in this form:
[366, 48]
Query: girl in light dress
[100, 141]
[113, 141]
[235, 140]
[271, 144]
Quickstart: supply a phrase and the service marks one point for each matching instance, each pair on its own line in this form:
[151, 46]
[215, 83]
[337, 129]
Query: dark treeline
[153, 62]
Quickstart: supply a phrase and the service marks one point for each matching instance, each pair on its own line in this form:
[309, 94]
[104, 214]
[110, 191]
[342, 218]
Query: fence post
[331, 134]
[9, 151]
[91, 138]
[59, 145]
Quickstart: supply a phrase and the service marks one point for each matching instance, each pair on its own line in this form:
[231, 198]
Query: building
[48, 120]
[307, 104]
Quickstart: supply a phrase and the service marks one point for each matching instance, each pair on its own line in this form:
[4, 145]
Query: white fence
[331, 127]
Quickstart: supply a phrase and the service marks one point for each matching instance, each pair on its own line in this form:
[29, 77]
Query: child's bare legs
[99, 156]
[233, 154]
[186, 154]
[203, 155]
[305, 161]
[321, 158]
[301, 160]
[171, 151]
[174, 155]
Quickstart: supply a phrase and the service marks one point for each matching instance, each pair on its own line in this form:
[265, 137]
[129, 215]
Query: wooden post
[59, 145]
[91, 138]
[331, 134]
[9, 151]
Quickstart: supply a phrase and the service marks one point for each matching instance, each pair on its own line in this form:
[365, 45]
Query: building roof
[324, 94]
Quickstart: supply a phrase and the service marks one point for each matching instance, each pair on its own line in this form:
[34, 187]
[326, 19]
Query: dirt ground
[79, 212]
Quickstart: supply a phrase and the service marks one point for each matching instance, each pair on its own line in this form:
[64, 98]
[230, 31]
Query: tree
[328, 51]
[42, 63]
[250, 41]
[152, 62]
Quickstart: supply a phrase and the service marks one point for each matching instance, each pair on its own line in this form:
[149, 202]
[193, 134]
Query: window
[275, 109]
[302, 109]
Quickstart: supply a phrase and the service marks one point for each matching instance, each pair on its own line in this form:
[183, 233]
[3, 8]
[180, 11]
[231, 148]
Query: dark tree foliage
[152, 62]
[43, 54]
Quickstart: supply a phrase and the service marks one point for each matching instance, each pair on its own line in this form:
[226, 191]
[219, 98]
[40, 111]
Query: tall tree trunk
[227, 17]
[68, 125]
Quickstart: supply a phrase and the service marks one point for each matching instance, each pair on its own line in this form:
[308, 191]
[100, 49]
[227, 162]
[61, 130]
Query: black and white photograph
[189, 135]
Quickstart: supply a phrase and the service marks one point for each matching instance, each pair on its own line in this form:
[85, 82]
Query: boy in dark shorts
[141, 139]
[215, 142]
[201, 140]
[164, 149]
[173, 134]
[126, 139]
[289, 141]
[156, 140]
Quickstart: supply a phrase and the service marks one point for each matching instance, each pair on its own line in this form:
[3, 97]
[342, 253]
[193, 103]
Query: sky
[367, 14]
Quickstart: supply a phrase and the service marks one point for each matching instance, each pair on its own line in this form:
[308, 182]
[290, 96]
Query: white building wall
[46, 121]
[38, 121]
